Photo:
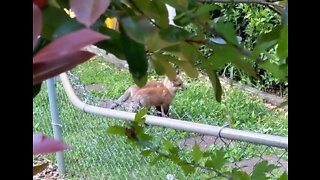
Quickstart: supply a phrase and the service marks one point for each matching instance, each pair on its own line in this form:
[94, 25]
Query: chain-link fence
[98, 155]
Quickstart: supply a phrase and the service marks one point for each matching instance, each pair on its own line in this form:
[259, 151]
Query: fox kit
[158, 95]
[130, 92]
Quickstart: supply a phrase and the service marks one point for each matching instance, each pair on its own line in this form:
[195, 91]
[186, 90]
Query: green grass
[98, 155]
[240, 109]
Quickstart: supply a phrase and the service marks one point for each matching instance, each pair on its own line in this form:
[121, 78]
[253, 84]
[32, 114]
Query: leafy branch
[214, 160]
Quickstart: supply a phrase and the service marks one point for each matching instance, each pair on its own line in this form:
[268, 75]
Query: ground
[204, 141]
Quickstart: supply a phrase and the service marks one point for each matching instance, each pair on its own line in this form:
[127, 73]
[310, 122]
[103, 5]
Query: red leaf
[37, 22]
[48, 69]
[41, 3]
[68, 44]
[88, 11]
[44, 144]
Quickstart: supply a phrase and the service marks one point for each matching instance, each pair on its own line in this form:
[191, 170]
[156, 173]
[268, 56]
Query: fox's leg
[165, 110]
[158, 111]
[162, 112]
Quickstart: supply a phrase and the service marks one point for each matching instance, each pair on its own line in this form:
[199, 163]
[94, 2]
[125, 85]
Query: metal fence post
[56, 125]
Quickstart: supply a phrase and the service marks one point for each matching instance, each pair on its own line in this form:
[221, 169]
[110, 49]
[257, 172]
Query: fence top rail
[222, 132]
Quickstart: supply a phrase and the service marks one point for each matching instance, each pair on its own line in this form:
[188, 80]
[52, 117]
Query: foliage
[251, 21]
[143, 29]
[213, 161]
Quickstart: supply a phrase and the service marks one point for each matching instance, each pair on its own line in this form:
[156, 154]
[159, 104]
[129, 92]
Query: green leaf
[144, 137]
[154, 10]
[160, 13]
[53, 3]
[136, 57]
[144, 143]
[137, 28]
[36, 89]
[174, 158]
[196, 153]
[184, 18]
[228, 53]
[190, 70]
[228, 32]
[158, 66]
[217, 160]
[139, 116]
[214, 79]
[267, 41]
[173, 34]
[163, 60]
[282, 50]
[57, 23]
[117, 130]
[170, 147]
[184, 51]
[278, 71]
[40, 168]
[260, 169]
[189, 52]
[112, 45]
[167, 144]
[284, 176]
[187, 169]
[146, 152]
[246, 66]
[155, 42]
[155, 160]
[240, 175]
[223, 55]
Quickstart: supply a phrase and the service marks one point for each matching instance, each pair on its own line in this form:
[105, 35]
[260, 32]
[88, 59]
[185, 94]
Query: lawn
[98, 155]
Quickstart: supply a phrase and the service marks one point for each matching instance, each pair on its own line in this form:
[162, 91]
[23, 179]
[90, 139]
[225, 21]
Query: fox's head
[174, 85]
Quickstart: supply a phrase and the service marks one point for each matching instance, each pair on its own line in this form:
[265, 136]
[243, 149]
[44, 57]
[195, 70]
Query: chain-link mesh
[98, 155]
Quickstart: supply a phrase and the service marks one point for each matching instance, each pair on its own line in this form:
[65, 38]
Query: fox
[153, 94]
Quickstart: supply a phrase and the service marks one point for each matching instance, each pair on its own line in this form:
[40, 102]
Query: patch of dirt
[50, 173]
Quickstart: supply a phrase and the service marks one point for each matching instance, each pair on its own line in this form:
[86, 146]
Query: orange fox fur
[158, 94]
